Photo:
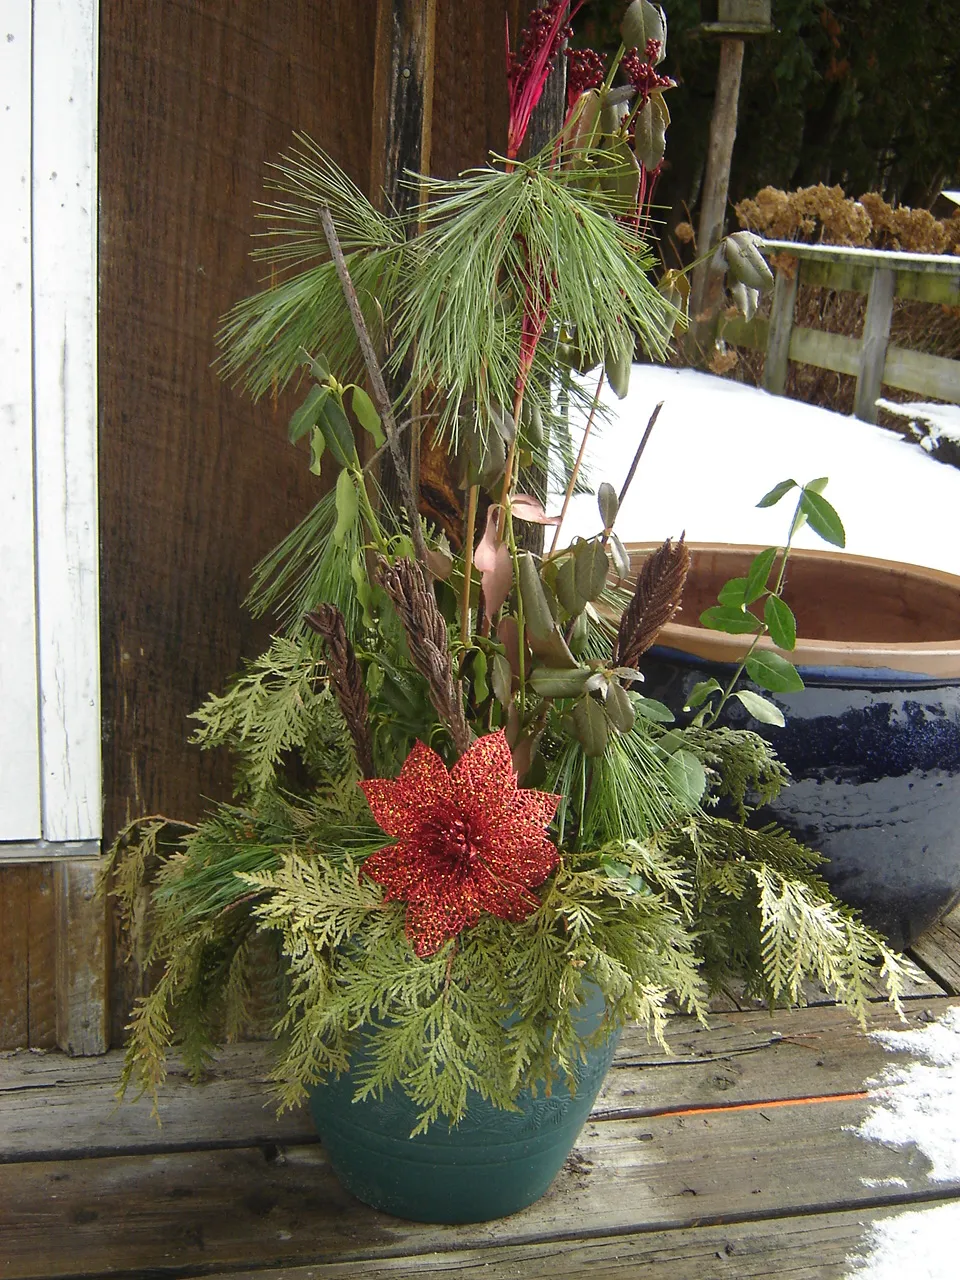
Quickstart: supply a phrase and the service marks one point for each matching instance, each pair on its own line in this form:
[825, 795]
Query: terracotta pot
[872, 742]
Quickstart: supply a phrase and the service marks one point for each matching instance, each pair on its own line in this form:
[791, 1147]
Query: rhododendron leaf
[642, 22]
[537, 614]
[306, 416]
[348, 506]
[608, 504]
[592, 567]
[761, 708]
[367, 416]
[650, 137]
[566, 587]
[508, 633]
[620, 556]
[590, 727]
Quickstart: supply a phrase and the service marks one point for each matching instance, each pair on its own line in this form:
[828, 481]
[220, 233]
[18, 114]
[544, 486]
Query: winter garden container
[872, 742]
[492, 1164]
[453, 816]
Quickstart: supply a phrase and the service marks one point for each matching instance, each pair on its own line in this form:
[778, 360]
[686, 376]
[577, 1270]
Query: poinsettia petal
[503, 898]
[528, 864]
[535, 807]
[401, 804]
[431, 922]
[486, 766]
[394, 869]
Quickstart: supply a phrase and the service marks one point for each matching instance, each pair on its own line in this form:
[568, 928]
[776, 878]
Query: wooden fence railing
[873, 360]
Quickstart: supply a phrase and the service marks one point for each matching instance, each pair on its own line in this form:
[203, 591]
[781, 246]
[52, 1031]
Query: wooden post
[82, 959]
[873, 346]
[781, 327]
[705, 293]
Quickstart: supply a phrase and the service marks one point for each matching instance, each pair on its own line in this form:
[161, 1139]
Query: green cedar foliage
[657, 920]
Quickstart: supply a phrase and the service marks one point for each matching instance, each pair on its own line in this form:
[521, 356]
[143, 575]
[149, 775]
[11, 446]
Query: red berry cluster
[536, 35]
[643, 75]
[585, 70]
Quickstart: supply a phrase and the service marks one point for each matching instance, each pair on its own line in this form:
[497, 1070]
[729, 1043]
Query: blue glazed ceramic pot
[872, 742]
[492, 1164]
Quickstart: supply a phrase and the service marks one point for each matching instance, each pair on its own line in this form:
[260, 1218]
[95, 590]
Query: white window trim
[62, 236]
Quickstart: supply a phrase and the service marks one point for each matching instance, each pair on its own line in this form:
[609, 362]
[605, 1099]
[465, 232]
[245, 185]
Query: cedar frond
[656, 598]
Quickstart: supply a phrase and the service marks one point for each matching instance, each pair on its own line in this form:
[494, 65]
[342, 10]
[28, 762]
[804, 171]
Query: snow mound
[718, 446]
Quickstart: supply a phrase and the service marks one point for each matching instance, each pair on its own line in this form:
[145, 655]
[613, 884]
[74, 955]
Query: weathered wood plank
[873, 344]
[14, 951]
[19, 725]
[249, 1208]
[817, 1247]
[781, 326]
[42, 953]
[196, 482]
[909, 370]
[926, 374]
[938, 951]
[920, 286]
[51, 1107]
[944, 264]
[65, 409]
[81, 959]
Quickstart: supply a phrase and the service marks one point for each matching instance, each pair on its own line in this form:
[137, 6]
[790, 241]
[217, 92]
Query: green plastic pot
[492, 1164]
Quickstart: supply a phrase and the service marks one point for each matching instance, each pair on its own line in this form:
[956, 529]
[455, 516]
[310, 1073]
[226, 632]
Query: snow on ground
[718, 446]
[917, 1105]
[940, 419]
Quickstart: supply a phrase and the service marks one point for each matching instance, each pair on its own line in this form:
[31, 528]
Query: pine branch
[426, 631]
[656, 599]
[346, 679]
[381, 398]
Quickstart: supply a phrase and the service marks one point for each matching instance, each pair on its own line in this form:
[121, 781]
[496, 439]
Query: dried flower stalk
[346, 680]
[656, 598]
[426, 631]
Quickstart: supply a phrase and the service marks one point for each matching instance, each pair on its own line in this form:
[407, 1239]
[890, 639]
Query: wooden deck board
[814, 1247]
[190, 1211]
[732, 1154]
[53, 1107]
[638, 1167]
[938, 951]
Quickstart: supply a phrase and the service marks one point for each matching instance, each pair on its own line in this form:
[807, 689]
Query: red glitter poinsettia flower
[467, 841]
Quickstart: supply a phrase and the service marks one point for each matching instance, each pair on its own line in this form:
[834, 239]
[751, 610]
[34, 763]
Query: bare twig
[377, 384]
[472, 500]
[639, 454]
[576, 466]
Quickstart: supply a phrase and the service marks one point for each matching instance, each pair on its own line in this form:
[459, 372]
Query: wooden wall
[196, 483]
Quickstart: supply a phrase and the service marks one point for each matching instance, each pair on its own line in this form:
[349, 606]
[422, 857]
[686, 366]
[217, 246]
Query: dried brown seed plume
[656, 598]
[346, 680]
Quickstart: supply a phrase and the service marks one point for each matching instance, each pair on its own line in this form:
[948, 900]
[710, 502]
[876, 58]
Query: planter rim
[938, 659]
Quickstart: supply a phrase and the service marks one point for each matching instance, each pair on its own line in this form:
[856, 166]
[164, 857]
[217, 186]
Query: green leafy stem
[734, 614]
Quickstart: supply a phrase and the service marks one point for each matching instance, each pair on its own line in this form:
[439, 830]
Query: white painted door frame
[50, 774]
